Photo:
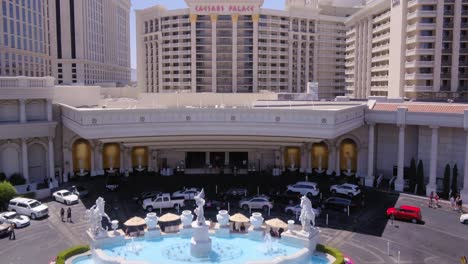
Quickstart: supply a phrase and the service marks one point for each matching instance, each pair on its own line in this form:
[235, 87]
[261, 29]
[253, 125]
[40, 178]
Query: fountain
[348, 165]
[139, 168]
[202, 247]
[82, 172]
[319, 170]
[292, 166]
[111, 169]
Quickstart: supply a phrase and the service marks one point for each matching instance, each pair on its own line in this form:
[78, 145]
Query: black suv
[339, 203]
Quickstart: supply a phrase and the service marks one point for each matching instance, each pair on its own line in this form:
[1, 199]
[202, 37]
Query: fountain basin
[172, 249]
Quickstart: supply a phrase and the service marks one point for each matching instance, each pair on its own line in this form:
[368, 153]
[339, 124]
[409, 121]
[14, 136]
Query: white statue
[94, 216]
[307, 214]
[199, 210]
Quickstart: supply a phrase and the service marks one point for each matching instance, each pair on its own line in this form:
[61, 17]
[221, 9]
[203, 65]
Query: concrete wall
[77, 95]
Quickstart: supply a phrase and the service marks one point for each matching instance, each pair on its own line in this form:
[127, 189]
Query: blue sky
[173, 4]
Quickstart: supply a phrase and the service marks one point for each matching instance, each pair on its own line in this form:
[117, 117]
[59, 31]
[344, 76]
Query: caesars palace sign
[227, 8]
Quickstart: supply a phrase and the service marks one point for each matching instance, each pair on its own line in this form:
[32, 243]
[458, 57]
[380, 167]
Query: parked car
[4, 229]
[29, 207]
[14, 218]
[296, 210]
[464, 219]
[162, 201]
[348, 189]
[304, 188]
[215, 204]
[65, 196]
[146, 195]
[79, 190]
[112, 183]
[286, 197]
[188, 194]
[405, 212]
[234, 192]
[256, 202]
[339, 203]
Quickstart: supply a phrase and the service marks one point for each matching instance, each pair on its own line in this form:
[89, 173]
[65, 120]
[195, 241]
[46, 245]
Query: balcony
[421, 26]
[419, 76]
[381, 27]
[418, 88]
[380, 48]
[448, 25]
[445, 75]
[445, 51]
[379, 68]
[380, 38]
[464, 25]
[381, 17]
[446, 63]
[417, 51]
[421, 2]
[418, 63]
[379, 88]
[464, 51]
[380, 58]
[448, 12]
[379, 78]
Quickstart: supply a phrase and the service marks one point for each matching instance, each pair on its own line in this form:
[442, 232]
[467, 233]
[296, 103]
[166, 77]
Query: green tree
[455, 179]
[420, 178]
[412, 175]
[446, 181]
[7, 192]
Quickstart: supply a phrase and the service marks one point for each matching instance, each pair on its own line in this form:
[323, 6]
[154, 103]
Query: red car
[405, 212]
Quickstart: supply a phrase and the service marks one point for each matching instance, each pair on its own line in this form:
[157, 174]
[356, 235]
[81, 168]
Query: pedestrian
[431, 200]
[69, 219]
[436, 197]
[459, 204]
[12, 232]
[452, 202]
[62, 213]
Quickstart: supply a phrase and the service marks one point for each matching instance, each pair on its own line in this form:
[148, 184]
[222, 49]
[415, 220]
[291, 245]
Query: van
[28, 207]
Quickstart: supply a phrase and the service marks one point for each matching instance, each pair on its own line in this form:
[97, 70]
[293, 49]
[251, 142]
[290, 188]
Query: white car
[464, 219]
[346, 189]
[65, 196]
[305, 188]
[29, 207]
[14, 218]
[256, 202]
[188, 194]
[296, 210]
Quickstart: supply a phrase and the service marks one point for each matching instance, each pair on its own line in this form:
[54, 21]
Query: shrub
[2, 177]
[455, 179]
[7, 192]
[332, 251]
[42, 185]
[17, 179]
[446, 181]
[30, 195]
[70, 252]
[412, 176]
[420, 179]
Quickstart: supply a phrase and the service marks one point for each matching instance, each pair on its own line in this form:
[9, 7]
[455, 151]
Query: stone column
[24, 159]
[22, 108]
[50, 152]
[235, 18]
[338, 160]
[370, 157]
[304, 156]
[193, 58]
[400, 182]
[431, 186]
[464, 191]
[255, 19]
[49, 109]
[214, 19]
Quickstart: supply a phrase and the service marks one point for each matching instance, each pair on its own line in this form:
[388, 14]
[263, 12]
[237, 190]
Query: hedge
[68, 253]
[332, 251]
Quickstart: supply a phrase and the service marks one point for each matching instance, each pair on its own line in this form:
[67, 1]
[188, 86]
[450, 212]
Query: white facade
[27, 38]
[27, 128]
[217, 46]
[411, 48]
[93, 42]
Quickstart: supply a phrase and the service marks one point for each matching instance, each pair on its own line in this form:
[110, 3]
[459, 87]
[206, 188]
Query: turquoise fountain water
[236, 249]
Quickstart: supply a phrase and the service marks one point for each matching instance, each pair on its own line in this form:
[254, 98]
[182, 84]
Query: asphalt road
[364, 235]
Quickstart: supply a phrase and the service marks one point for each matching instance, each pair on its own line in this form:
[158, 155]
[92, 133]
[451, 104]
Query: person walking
[436, 198]
[431, 200]
[452, 202]
[69, 219]
[459, 204]
[62, 213]
[12, 232]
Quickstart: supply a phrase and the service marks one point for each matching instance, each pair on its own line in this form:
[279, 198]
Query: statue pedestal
[185, 231]
[222, 231]
[256, 233]
[302, 239]
[105, 237]
[152, 233]
[200, 245]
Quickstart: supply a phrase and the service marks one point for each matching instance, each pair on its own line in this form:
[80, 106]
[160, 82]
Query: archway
[37, 163]
[10, 158]
[81, 152]
[292, 157]
[348, 155]
[139, 157]
[111, 156]
[319, 155]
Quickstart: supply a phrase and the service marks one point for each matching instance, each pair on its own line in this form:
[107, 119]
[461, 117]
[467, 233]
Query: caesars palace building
[62, 131]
